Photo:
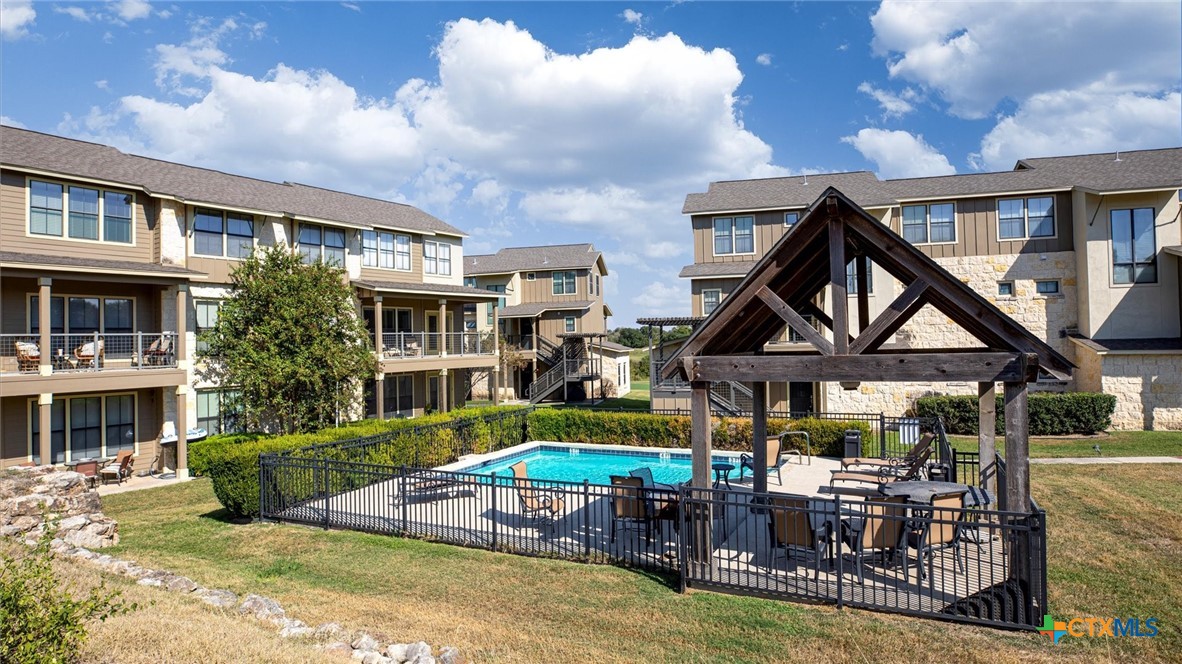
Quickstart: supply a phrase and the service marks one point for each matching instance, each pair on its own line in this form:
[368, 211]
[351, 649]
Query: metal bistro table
[922, 492]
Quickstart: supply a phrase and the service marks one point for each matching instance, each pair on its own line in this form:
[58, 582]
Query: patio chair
[158, 353]
[879, 529]
[924, 443]
[535, 503]
[662, 506]
[412, 349]
[942, 530]
[884, 474]
[773, 461]
[118, 470]
[28, 356]
[89, 470]
[791, 527]
[629, 506]
[430, 485]
[88, 355]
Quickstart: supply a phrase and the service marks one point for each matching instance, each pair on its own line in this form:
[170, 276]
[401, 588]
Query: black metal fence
[922, 556]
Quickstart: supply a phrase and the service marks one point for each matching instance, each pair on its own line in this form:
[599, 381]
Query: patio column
[1017, 496]
[759, 435]
[496, 331]
[44, 295]
[182, 334]
[986, 435]
[443, 332]
[377, 326]
[495, 379]
[379, 394]
[182, 432]
[443, 406]
[45, 426]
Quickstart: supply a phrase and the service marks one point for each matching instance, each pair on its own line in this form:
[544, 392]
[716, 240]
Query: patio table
[921, 491]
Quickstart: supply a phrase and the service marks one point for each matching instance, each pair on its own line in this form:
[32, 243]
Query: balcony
[88, 362]
[403, 351]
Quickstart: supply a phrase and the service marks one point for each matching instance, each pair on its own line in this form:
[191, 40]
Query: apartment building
[1083, 251]
[553, 311]
[129, 258]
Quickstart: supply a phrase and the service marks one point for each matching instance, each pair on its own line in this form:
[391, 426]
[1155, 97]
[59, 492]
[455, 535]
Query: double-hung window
[1134, 246]
[734, 235]
[91, 426]
[89, 213]
[207, 232]
[45, 208]
[322, 243]
[217, 411]
[1021, 218]
[563, 283]
[84, 315]
[436, 258]
[117, 217]
[488, 306]
[229, 234]
[569, 323]
[929, 223]
[378, 250]
[84, 213]
[207, 319]
[710, 300]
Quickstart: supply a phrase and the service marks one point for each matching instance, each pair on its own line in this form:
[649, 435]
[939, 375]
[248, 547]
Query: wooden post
[377, 326]
[443, 332]
[379, 395]
[700, 433]
[182, 432]
[45, 426]
[759, 435]
[1017, 448]
[837, 289]
[986, 435]
[44, 316]
[862, 276]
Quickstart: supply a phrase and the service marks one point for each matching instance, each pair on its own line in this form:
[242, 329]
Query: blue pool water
[596, 466]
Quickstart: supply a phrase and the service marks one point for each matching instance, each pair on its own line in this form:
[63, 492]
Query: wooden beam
[811, 309]
[986, 434]
[1017, 498]
[909, 302]
[862, 278]
[795, 320]
[916, 366]
[840, 304]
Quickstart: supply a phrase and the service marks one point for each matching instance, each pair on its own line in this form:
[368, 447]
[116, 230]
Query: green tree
[632, 337]
[290, 341]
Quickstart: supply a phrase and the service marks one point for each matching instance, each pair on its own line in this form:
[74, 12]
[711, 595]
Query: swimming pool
[596, 464]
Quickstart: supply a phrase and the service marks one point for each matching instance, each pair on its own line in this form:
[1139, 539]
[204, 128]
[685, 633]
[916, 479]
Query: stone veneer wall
[1045, 316]
[1148, 390]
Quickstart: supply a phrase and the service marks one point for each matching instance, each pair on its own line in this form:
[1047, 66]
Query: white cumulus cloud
[900, 154]
[131, 10]
[632, 16]
[661, 298]
[764, 59]
[16, 16]
[894, 105]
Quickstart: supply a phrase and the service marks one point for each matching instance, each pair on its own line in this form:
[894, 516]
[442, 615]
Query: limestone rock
[416, 650]
[365, 642]
[261, 607]
[449, 655]
[180, 584]
[397, 652]
[339, 650]
[330, 630]
[73, 522]
[223, 599]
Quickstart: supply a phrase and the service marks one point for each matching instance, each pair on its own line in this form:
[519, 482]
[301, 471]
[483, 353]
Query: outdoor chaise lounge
[118, 470]
[884, 474]
[430, 485]
[791, 527]
[773, 461]
[924, 443]
[535, 503]
[880, 529]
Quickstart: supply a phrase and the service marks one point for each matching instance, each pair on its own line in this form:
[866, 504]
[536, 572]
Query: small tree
[512, 358]
[289, 340]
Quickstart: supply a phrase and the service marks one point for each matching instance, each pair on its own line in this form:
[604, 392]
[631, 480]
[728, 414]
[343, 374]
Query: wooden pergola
[783, 288]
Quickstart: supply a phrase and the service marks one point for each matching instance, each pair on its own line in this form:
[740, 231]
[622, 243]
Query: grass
[1114, 444]
[1115, 538]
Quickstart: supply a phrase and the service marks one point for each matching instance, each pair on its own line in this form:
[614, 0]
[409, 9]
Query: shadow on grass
[223, 515]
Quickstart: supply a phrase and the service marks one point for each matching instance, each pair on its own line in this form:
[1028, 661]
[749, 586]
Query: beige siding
[14, 234]
[699, 285]
[541, 289]
[976, 230]
[414, 276]
[769, 227]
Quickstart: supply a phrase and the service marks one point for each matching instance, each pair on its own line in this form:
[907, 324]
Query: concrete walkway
[1099, 460]
[138, 482]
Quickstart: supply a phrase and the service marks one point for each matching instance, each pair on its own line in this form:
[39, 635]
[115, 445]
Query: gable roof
[30, 150]
[534, 259]
[1138, 169]
[797, 268]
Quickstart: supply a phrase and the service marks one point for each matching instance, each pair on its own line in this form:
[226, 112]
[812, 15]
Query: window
[1048, 287]
[530, 276]
[117, 315]
[239, 235]
[734, 235]
[1134, 246]
[399, 395]
[929, 223]
[120, 424]
[57, 443]
[790, 219]
[569, 323]
[84, 315]
[564, 283]
[385, 250]
[85, 427]
[1020, 218]
[322, 243]
[470, 282]
[1005, 289]
[229, 234]
[598, 284]
[402, 252]
[217, 411]
[369, 248]
[84, 213]
[710, 300]
[88, 211]
[207, 318]
[437, 258]
[207, 232]
[45, 208]
[851, 278]
[488, 306]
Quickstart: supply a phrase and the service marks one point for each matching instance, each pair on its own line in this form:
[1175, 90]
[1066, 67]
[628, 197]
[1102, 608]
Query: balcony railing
[412, 345]
[94, 351]
[522, 341]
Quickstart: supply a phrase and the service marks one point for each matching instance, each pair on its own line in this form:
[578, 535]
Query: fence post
[493, 488]
[324, 476]
[882, 435]
[263, 506]
[402, 497]
[586, 522]
[679, 533]
[139, 350]
[837, 536]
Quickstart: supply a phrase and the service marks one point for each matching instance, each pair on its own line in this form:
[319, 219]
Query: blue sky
[538, 123]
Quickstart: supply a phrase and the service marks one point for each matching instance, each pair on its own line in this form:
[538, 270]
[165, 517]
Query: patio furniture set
[104, 469]
[90, 355]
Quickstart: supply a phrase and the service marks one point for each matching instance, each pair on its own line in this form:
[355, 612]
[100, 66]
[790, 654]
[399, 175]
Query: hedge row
[232, 461]
[1051, 414]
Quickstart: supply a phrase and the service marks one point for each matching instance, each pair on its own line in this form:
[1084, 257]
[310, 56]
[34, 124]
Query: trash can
[939, 472]
[853, 443]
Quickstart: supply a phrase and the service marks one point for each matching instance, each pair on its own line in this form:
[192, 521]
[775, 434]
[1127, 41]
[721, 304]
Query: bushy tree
[290, 342]
[632, 337]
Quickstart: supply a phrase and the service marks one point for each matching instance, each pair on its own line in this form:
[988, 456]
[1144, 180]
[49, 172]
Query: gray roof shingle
[532, 309]
[1139, 169]
[44, 152]
[442, 289]
[17, 259]
[717, 269]
[548, 257]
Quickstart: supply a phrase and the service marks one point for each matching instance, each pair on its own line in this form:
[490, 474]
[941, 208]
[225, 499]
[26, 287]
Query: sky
[559, 122]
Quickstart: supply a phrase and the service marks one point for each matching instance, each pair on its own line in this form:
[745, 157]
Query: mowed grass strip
[1113, 444]
[501, 607]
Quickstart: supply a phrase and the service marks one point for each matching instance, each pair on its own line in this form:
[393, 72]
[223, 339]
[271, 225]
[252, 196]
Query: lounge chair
[660, 497]
[629, 506]
[791, 527]
[773, 461]
[158, 353]
[884, 474]
[88, 355]
[430, 485]
[942, 530]
[118, 470]
[880, 529]
[924, 443]
[535, 503]
[28, 356]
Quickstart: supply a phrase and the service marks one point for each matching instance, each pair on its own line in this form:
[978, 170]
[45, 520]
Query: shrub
[201, 451]
[40, 621]
[1051, 414]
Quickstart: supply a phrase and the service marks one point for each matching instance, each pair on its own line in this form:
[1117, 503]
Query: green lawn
[1117, 443]
[1115, 539]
